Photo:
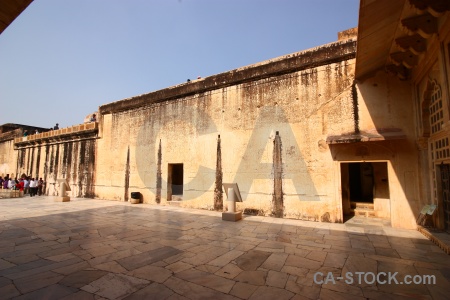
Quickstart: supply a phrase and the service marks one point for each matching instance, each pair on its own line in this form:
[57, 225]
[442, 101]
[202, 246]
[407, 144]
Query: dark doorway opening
[361, 182]
[365, 189]
[175, 182]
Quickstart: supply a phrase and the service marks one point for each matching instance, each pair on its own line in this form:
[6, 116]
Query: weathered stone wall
[68, 153]
[7, 153]
[394, 112]
[263, 126]
[303, 97]
[431, 82]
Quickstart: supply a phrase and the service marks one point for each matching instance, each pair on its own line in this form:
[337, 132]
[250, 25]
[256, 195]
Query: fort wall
[301, 98]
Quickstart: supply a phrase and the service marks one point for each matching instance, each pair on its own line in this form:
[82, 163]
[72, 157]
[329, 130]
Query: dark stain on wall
[55, 169]
[74, 154]
[81, 162]
[20, 160]
[46, 167]
[30, 173]
[309, 77]
[90, 170]
[28, 163]
[69, 160]
[159, 175]
[218, 193]
[127, 175]
[38, 160]
[253, 212]
[52, 157]
[277, 200]
[326, 217]
[328, 84]
[64, 160]
[304, 75]
[355, 107]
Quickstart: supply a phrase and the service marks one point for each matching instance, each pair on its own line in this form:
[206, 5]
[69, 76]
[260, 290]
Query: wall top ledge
[314, 57]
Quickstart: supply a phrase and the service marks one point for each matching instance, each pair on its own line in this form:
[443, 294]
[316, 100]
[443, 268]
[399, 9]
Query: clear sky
[61, 59]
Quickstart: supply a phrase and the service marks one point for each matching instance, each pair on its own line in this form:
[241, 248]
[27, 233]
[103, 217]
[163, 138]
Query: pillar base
[62, 199]
[232, 216]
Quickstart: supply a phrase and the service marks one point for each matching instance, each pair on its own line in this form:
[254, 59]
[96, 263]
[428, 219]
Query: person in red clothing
[20, 185]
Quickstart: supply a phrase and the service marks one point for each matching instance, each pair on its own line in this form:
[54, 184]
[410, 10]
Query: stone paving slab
[98, 249]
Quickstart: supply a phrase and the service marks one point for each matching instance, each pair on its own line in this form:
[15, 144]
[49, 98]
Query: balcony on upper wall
[73, 133]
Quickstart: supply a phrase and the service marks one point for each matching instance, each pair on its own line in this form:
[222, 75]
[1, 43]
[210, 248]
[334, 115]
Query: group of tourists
[26, 184]
[26, 133]
[56, 127]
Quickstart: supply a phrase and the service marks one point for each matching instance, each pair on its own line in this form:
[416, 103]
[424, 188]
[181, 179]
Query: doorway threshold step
[365, 213]
[174, 203]
[363, 209]
[362, 205]
[362, 212]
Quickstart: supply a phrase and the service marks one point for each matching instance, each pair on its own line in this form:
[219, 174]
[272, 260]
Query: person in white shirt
[33, 187]
[36, 185]
[11, 184]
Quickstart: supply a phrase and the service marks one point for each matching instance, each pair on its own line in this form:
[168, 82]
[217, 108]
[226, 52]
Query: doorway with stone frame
[365, 189]
[175, 182]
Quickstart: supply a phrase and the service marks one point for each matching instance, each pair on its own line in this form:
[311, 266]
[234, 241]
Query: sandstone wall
[431, 82]
[393, 112]
[8, 156]
[263, 126]
[140, 137]
[68, 153]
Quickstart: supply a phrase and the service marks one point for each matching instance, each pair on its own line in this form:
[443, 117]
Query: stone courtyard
[96, 249]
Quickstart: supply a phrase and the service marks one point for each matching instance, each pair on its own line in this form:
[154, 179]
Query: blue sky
[60, 60]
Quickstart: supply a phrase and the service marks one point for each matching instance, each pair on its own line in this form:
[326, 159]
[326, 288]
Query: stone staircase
[363, 209]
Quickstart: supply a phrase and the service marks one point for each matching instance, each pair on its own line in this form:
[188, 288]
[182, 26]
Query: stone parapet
[348, 34]
[6, 136]
[62, 133]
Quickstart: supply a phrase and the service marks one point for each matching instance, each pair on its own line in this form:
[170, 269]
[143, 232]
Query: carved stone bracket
[400, 71]
[407, 59]
[418, 29]
[435, 7]
[425, 25]
[414, 43]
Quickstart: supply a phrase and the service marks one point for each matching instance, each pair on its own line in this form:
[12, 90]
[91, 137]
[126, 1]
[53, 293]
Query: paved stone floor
[97, 249]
